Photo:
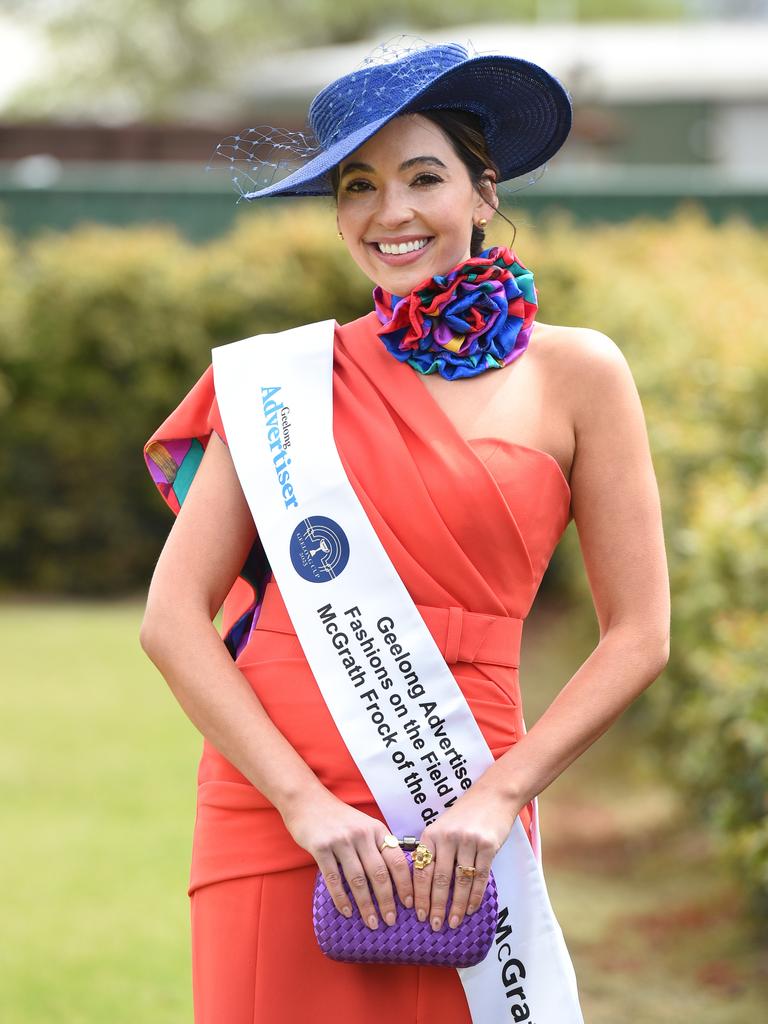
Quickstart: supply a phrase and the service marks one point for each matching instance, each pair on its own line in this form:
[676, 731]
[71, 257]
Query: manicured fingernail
[409, 901]
[471, 910]
[346, 911]
[421, 914]
[373, 921]
[454, 922]
[436, 923]
[389, 917]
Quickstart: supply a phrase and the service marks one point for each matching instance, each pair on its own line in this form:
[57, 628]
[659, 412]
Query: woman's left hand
[471, 832]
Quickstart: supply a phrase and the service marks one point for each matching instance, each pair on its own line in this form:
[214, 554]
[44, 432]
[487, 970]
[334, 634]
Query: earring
[482, 222]
[340, 235]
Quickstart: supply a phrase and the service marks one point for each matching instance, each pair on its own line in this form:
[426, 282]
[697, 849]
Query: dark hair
[465, 133]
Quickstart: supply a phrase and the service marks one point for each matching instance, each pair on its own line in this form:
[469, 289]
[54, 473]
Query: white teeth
[398, 250]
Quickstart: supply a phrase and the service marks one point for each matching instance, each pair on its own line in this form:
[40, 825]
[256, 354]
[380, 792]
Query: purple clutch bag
[408, 940]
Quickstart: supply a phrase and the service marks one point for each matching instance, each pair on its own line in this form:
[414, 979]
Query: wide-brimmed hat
[525, 111]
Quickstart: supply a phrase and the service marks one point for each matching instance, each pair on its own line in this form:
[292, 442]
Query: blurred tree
[140, 56]
[729, 8]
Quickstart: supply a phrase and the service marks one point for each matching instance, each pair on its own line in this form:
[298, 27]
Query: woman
[469, 478]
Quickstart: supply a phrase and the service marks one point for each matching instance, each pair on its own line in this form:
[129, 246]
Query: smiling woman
[439, 193]
[465, 478]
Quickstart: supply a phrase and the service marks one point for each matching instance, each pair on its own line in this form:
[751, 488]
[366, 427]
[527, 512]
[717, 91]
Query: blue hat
[526, 114]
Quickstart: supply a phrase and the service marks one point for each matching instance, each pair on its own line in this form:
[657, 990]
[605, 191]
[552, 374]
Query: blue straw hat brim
[526, 112]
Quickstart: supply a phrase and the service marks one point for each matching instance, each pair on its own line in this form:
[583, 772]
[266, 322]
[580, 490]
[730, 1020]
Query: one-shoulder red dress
[470, 528]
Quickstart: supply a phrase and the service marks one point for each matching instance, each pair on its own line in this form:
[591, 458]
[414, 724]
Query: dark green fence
[204, 205]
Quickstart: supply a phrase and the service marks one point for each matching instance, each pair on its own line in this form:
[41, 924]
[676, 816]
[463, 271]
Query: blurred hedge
[102, 331]
[688, 302]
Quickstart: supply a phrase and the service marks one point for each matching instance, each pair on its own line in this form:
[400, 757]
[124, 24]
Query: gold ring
[466, 871]
[389, 841]
[422, 856]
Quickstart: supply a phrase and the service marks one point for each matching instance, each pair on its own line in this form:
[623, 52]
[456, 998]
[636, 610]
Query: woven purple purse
[408, 940]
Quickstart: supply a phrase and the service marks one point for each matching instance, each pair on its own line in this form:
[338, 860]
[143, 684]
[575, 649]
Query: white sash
[376, 663]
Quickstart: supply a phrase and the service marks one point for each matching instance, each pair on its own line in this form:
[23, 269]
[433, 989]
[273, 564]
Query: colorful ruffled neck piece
[478, 317]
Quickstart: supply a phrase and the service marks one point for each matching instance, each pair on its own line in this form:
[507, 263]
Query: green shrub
[108, 332]
[686, 302]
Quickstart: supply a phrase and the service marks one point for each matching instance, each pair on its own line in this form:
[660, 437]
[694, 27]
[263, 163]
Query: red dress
[469, 526]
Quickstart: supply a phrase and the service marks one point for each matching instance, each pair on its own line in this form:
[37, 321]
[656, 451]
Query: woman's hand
[337, 834]
[470, 833]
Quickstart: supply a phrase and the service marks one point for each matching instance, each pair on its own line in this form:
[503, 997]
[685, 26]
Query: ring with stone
[423, 856]
[390, 841]
[466, 871]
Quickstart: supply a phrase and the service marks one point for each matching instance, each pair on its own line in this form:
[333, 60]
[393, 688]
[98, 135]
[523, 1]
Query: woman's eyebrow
[404, 166]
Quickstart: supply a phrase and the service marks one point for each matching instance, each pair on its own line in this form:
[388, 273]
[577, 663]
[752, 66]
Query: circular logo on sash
[319, 549]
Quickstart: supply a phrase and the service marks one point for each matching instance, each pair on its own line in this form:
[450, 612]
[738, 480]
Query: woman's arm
[205, 550]
[617, 512]
[616, 508]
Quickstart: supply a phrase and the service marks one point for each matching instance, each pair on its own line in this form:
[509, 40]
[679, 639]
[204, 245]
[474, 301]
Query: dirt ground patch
[657, 926]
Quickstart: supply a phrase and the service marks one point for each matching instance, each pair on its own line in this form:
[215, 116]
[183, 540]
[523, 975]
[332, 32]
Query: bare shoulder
[611, 447]
[577, 349]
[585, 365]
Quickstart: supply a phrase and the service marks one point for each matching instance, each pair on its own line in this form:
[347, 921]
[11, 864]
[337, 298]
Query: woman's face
[406, 184]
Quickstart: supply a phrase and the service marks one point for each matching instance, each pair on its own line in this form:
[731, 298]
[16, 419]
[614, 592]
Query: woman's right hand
[339, 835]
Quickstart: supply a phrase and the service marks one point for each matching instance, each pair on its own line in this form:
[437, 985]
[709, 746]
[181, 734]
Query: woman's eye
[361, 185]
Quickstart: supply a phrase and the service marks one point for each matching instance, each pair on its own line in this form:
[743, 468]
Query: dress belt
[474, 636]
[462, 636]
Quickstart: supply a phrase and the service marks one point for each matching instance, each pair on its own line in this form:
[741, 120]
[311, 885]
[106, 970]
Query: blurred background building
[664, 110]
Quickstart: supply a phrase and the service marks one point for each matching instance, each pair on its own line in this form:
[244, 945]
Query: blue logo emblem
[319, 549]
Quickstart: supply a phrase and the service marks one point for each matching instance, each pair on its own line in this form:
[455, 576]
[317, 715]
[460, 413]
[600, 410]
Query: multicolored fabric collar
[477, 317]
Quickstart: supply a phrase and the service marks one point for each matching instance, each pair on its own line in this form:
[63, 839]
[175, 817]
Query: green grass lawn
[97, 768]
[98, 779]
